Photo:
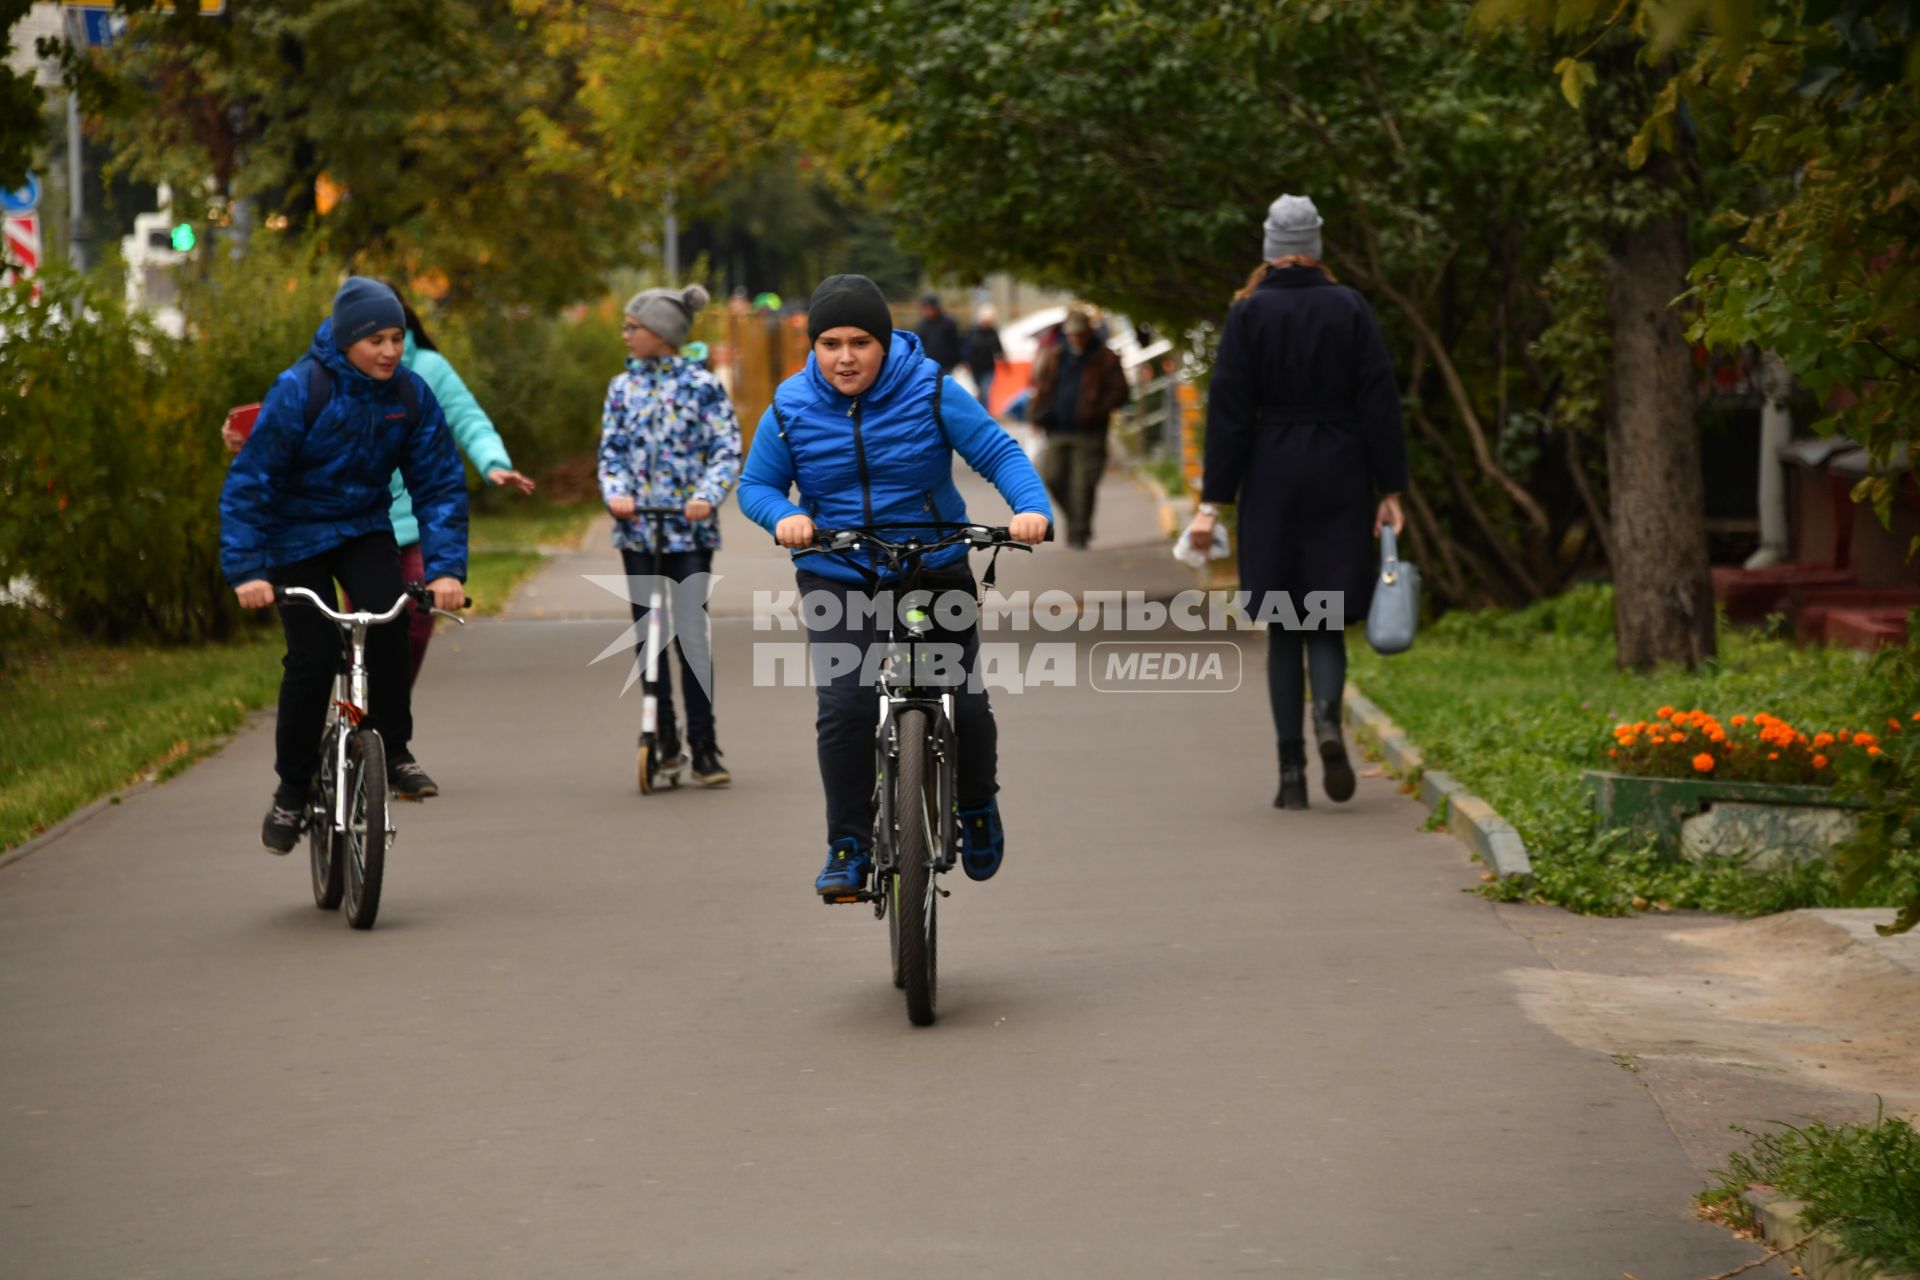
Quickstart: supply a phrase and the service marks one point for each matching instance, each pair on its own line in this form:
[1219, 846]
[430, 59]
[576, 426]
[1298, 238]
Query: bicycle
[348, 819]
[916, 750]
[650, 768]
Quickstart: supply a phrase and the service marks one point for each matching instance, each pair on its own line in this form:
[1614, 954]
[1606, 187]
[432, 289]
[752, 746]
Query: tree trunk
[1662, 589]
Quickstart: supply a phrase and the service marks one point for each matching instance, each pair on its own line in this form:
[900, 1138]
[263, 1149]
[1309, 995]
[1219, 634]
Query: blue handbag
[1395, 613]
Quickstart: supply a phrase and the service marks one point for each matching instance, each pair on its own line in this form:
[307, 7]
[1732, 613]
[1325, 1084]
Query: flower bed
[1757, 788]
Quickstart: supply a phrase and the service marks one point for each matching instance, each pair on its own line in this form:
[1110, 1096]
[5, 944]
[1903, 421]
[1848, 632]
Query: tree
[1127, 152]
[450, 139]
[21, 123]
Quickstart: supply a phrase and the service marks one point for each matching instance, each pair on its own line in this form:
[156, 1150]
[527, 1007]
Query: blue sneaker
[846, 870]
[983, 842]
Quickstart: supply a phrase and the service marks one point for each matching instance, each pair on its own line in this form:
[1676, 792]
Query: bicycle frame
[352, 708]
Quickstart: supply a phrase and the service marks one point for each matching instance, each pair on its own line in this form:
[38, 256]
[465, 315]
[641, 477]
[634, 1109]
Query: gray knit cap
[1293, 227]
[668, 312]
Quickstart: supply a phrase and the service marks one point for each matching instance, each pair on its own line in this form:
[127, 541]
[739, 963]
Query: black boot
[1336, 772]
[1293, 776]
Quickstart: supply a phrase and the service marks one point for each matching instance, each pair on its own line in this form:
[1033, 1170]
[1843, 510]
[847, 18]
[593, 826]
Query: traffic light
[183, 237]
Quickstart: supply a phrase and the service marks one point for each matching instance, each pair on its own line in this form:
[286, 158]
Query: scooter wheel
[645, 768]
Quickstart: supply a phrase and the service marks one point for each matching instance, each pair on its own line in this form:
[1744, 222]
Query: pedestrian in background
[669, 438]
[1077, 385]
[1304, 435]
[984, 354]
[939, 335]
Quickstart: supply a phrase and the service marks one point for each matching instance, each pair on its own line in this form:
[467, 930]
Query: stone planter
[1765, 825]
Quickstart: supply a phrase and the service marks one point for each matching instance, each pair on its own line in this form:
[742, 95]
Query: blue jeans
[985, 382]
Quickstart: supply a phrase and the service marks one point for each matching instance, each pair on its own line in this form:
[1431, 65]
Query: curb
[1817, 1252]
[1470, 820]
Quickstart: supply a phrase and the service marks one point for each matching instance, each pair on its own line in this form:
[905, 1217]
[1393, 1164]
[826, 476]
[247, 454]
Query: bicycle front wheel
[366, 834]
[325, 851]
[911, 889]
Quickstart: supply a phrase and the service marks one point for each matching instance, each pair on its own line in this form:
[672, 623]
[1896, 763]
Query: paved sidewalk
[598, 1034]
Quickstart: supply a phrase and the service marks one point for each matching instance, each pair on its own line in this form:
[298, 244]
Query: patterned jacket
[667, 435]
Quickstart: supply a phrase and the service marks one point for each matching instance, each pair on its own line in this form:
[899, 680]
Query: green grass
[492, 576]
[81, 721]
[1861, 1182]
[511, 523]
[1517, 705]
[78, 722]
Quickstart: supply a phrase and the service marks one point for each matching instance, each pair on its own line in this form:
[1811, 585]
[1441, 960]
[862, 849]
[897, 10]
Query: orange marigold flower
[1717, 735]
[1773, 755]
[1738, 721]
[1613, 751]
[1819, 762]
[1822, 740]
[1678, 737]
[1916, 715]
[1703, 763]
[1893, 724]
[1664, 712]
[1628, 741]
[1864, 739]
[1873, 751]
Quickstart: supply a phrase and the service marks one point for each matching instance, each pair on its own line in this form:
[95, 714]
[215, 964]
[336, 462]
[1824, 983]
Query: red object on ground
[1815, 605]
[1751, 594]
[241, 419]
[1866, 628]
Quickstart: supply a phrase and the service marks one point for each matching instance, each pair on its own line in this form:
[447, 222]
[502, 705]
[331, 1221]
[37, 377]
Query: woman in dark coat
[1304, 436]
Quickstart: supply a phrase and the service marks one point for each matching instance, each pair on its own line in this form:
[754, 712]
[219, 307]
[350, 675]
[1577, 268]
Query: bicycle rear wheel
[324, 847]
[911, 888]
[366, 834]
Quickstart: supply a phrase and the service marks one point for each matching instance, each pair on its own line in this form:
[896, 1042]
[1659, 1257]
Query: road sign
[21, 199]
[22, 245]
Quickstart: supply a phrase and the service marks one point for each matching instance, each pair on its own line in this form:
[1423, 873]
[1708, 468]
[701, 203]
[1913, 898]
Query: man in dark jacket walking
[939, 335]
[984, 354]
[1077, 385]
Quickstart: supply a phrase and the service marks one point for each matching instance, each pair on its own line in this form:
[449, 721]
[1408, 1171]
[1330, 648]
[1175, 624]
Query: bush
[111, 462]
[542, 379]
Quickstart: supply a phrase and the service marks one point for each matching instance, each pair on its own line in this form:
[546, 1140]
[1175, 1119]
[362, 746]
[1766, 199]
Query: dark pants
[413, 568]
[1326, 663]
[849, 710]
[1072, 466]
[368, 568]
[679, 566]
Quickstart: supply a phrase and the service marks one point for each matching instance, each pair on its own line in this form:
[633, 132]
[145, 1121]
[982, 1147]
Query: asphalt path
[602, 1034]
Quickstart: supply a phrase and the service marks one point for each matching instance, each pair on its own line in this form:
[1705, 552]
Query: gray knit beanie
[1293, 227]
[668, 313]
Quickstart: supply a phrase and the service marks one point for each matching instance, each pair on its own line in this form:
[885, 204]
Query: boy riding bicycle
[306, 504]
[867, 432]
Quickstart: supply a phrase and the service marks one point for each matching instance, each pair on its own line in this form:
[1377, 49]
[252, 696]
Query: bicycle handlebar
[977, 537]
[414, 591]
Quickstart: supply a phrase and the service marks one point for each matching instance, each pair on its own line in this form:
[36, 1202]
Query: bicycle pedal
[842, 899]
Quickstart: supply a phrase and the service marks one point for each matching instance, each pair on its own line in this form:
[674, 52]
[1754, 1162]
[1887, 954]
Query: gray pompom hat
[668, 313]
[1293, 227]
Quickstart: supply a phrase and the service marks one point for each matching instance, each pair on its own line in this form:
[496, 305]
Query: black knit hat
[849, 300]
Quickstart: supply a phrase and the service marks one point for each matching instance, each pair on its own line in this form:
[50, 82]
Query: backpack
[320, 392]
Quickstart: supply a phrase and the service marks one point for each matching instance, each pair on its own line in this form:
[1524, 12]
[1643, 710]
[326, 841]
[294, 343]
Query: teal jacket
[472, 431]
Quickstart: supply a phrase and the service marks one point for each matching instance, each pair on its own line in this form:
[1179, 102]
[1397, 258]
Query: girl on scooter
[669, 437]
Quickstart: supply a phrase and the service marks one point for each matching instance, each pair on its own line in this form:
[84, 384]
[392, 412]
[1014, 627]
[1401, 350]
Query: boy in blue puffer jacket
[306, 503]
[867, 432]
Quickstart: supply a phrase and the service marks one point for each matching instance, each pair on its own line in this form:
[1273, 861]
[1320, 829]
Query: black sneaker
[281, 831]
[707, 769]
[410, 782]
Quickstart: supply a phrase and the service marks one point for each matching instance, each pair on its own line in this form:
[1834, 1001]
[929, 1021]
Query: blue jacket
[883, 457]
[293, 493]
